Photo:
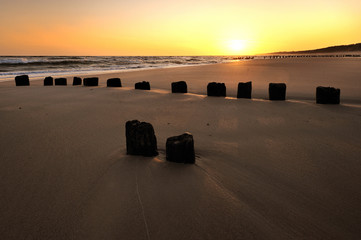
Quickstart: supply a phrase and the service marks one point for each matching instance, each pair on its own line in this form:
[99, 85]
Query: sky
[175, 27]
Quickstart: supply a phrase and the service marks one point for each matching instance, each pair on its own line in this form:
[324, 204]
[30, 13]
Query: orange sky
[170, 27]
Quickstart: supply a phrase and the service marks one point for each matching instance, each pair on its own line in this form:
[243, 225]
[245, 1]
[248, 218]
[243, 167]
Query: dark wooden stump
[179, 87]
[216, 89]
[48, 81]
[142, 85]
[76, 81]
[91, 82]
[140, 138]
[180, 149]
[60, 82]
[327, 95]
[244, 90]
[22, 80]
[277, 91]
[114, 82]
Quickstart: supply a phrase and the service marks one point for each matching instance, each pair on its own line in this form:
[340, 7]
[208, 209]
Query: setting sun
[236, 46]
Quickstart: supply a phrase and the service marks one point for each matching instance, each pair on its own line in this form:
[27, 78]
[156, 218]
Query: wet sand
[264, 170]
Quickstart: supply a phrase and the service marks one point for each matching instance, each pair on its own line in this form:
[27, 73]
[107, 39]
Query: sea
[42, 66]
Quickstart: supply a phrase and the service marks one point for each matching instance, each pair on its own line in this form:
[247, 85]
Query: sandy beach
[264, 169]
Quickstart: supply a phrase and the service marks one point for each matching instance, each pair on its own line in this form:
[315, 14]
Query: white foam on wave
[37, 67]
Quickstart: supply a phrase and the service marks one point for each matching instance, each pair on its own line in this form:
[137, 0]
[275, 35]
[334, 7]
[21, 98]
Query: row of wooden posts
[277, 91]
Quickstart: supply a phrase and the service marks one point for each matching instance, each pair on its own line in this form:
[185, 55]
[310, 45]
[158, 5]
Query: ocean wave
[42, 63]
[60, 58]
[62, 65]
[193, 60]
[12, 60]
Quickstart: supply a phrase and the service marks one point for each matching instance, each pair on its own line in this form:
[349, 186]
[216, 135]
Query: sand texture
[264, 169]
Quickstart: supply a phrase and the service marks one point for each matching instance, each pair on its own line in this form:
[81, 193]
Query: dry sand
[264, 170]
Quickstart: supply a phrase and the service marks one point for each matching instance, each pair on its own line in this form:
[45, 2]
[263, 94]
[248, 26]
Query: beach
[264, 169]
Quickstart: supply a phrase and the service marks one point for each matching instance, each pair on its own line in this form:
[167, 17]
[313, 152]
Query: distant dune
[334, 49]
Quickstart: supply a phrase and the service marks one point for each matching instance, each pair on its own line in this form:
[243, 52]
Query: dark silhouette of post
[22, 80]
[277, 91]
[76, 81]
[114, 82]
[48, 81]
[91, 82]
[141, 139]
[327, 95]
[179, 87]
[142, 85]
[216, 89]
[244, 90]
[60, 82]
[180, 149]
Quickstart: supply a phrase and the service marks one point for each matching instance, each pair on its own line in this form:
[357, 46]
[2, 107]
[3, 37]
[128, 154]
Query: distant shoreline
[39, 71]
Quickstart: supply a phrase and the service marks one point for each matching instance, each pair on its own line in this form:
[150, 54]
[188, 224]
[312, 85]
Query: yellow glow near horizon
[236, 45]
[169, 27]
